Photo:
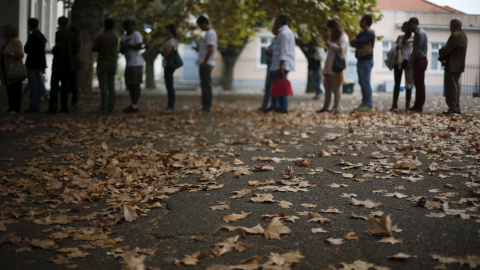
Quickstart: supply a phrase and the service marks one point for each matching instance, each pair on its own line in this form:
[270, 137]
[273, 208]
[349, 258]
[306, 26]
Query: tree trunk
[306, 48]
[87, 15]
[150, 55]
[230, 55]
[228, 64]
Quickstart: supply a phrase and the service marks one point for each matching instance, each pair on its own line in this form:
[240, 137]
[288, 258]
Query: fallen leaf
[235, 217]
[380, 226]
[335, 241]
[390, 240]
[275, 228]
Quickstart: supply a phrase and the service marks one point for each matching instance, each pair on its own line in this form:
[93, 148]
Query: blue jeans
[364, 70]
[168, 75]
[279, 103]
[316, 81]
[37, 87]
[268, 88]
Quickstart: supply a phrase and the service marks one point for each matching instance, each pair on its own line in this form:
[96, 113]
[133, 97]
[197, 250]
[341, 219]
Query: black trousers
[65, 79]
[14, 92]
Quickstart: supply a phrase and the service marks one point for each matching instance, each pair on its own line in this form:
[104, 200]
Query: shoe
[316, 97]
[394, 109]
[31, 110]
[130, 109]
[415, 110]
[322, 110]
[167, 111]
[364, 108]
[335, 111]
[451, 112]
[270, 109]
[261, 109]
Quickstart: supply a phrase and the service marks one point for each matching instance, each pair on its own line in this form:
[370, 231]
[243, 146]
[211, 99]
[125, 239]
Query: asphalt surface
[345, 156]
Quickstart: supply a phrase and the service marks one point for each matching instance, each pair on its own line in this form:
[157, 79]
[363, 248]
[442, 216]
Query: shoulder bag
[339, 63]
[174, 61]
[17, 70]
[366, 49]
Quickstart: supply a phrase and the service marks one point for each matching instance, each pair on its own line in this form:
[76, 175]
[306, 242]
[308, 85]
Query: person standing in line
[170, 47]
[62, 67]
[283, 60]
[364, 44]
[36, 64]
[106, 46]
[453, 55]
[11, 52]
[333, 81]
[268, 82]
[316, 62]
[130, 45]
[404, 46]
[207, 52]
[418, 60]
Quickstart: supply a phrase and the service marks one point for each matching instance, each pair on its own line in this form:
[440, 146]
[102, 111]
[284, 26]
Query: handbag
[281, 87]
[339, 63]
[366, 49]
[17, 70]
[174, 61]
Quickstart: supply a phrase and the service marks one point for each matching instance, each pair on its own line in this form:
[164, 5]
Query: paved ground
[86, 191]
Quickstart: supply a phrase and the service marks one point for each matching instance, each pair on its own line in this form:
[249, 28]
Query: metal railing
[470, 81]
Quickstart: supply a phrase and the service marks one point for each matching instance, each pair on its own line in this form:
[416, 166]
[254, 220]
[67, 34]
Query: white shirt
[284, 49]
[210, 38]
[133, 57]
[171, 42]
[406, 48]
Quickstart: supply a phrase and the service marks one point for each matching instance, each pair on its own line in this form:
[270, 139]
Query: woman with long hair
[333, 81]
[12, 51]
[404, 46]
[170, 47]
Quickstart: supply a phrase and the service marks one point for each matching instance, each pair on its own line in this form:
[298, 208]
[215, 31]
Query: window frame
[385, 52]
[434, 59]
[270, 38]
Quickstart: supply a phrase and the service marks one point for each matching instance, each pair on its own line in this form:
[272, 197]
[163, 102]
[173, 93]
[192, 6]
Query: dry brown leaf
[293, 256]
[261, 198]
[380, 226]
[285, 204]
[314, 217]
[318, 230]
[275, 228]
[401, 256]
[235, 217]
[390, 240]
[335, 241]
[366, 203]
[350, 236]
[228, 245]
[220, 207]
[129, 212]
[308, 205]
[60, 260]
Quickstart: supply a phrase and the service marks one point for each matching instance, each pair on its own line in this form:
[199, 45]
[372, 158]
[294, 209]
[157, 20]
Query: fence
[470, 84]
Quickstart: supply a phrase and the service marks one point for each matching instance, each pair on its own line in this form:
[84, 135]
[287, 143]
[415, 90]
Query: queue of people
[408, 56]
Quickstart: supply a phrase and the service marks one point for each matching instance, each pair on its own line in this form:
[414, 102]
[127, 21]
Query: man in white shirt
[207, 51]
[283, 59]
[130, 45]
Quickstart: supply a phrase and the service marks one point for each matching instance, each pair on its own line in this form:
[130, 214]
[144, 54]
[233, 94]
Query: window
[386, 47]
[264, 43]
[436, 65]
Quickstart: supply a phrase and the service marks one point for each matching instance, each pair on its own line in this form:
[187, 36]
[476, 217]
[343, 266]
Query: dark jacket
[63, 51]
[364, 38]
[454, 52]
[35, 50]
[106, 45]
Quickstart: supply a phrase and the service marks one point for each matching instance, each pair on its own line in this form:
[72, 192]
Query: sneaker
[335, 111]
[316, 97]
[130, 109]
[167, 111]
[364, 108]
[451, 112]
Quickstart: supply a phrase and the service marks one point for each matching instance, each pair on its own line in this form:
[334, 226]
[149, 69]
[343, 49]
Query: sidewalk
[199, 190]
